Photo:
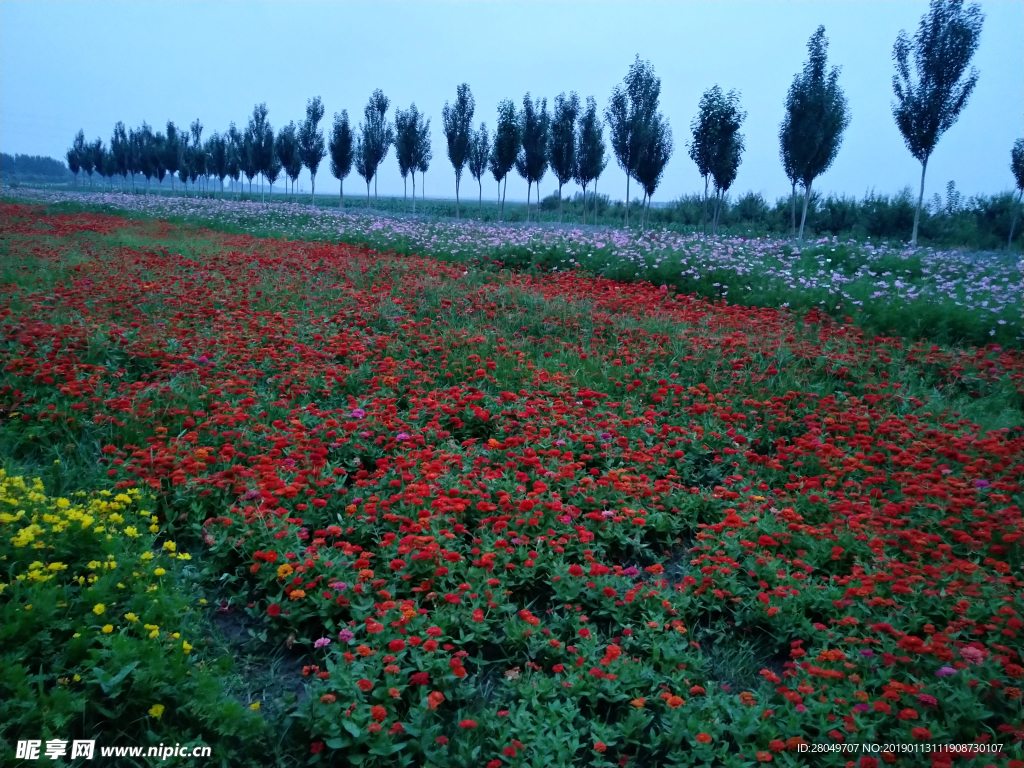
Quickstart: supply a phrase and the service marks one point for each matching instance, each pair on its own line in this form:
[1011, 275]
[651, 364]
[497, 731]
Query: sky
[71, 65]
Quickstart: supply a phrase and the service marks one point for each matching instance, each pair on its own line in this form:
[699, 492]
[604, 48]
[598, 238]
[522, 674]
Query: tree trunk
[405, 192]
[792, 210]
[803, 216]
[704, 220]
[456, 196]
[413, 191]
[627, 201]
[1013, 221]
[559, 202]
[375, 189]
[920, 197]
[367, 194]
[528, 189]
[595, 201]
[341, 194]
[505, 187]
[480, 198]
[312, 189]
[584, 204]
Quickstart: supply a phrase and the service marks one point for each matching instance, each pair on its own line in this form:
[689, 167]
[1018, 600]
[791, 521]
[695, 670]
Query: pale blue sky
[71, 65]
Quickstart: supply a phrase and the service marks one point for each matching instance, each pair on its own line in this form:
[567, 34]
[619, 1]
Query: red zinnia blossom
[316, 747]
[495, 763]
[434, 631]
[907, 714]
[704, 738]
[442, 740]
[478, 615]
[364, 685]
[274, 609]
[575, 570]
[764, 757]
[396, 645]
[921, 734]
[467, 724]
[397, 564]
[509, 751]
[396, 729]
[419, 678]
[600, 746]
[378, 713]
[433, 699]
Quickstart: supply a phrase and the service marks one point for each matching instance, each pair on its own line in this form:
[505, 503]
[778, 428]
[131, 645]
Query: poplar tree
[507, 141]
[562, 142]
[341, 151]
[532, 160]
[479, 153]
[590, 154]
[457, 121]
[630, 114]
[816, 116]
[929, 101]
[311, 141]
[286, 145]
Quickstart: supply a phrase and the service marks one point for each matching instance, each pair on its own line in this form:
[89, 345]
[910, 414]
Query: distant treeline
[34, 166]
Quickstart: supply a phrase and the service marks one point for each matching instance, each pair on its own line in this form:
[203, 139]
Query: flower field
[312, 504]
[888, 289]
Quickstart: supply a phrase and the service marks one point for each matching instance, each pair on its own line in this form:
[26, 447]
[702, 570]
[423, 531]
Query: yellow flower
[108, 628]
[284, 571]
[169, 546]
[254, 706]
[63, 503]
[156, 711]
[154, 529]
[186, 646]
[131, 532]
[99, 608]
[131, 617]
[159, 572]
[28, 607]
[77, 678]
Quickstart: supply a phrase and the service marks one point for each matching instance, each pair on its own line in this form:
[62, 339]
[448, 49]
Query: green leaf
[337, 743]
[351, 727]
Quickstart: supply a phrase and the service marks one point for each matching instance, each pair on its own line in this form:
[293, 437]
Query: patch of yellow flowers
[84, 531]
[42, 523]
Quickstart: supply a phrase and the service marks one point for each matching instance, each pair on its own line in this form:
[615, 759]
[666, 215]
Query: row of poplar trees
[570, 139]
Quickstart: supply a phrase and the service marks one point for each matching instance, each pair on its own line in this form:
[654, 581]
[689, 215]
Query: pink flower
[945, 672]
[322, 642]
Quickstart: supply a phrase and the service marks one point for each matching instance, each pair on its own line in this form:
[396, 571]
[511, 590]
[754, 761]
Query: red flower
[764, 757]
[274, 609]
[378, 713]
[396, 645]
[467, 724]
[495, 763]
[921, 734]
[434, 632]
[509, 751]
[364, 685]
[316, 747]
[419, 678]
[442, 740]
[575, 570]
[703, 738]
[600, 746]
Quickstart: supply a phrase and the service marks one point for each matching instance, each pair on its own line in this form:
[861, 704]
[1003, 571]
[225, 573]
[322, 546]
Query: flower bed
[944, 295]
[535, 520]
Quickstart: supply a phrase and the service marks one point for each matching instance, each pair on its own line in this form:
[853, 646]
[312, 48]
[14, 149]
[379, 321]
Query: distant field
[947, 296]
